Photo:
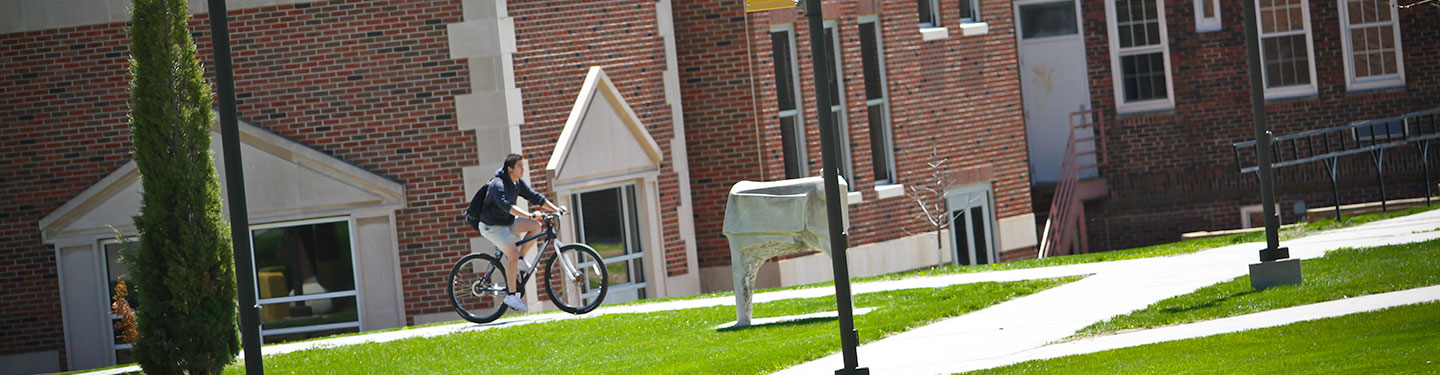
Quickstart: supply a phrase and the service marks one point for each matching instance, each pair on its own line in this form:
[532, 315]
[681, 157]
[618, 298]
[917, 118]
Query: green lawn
[680, 341]
[1399, 340]
[1339, 274]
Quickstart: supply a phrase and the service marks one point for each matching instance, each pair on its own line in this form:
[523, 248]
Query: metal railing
[1065, 226]
[1327, 145]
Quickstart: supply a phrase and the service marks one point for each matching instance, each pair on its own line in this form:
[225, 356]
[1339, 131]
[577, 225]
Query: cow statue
[766, 219]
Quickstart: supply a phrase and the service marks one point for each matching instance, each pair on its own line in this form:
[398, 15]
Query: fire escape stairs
[1079, 181]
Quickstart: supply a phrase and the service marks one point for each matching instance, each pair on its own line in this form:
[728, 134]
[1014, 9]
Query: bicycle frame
[550, 245]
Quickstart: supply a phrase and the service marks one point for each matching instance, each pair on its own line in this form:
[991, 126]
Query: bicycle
[477, 282]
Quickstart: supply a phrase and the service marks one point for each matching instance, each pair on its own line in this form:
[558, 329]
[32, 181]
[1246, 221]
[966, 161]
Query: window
[1139, 55]
[1379, 130]
[929, 13]
[305, 278]
[969, 10]
[115, 271]
[882, 152]
[837, 103]
[607, 220]
[787, 93]
[1372, 44]
[1207, 15]
[1285, 48]
[1056, 18]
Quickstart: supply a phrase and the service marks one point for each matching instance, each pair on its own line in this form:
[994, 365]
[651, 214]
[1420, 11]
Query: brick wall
[960, 96]
[368, 82]
[556, 44]
[64, 128]
[1173, 172]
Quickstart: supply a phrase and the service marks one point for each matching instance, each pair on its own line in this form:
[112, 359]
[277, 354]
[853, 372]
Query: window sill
[854, 197]
[930, 34]
[1373, 87]
[974, 28]
[1290, 93]
[1144, 108]
[889, 191]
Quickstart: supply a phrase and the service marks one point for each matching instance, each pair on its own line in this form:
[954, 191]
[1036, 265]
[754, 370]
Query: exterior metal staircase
[1079, 180]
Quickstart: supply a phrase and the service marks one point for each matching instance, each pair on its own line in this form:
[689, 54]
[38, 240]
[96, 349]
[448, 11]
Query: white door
[1052, 78]
[971, 228]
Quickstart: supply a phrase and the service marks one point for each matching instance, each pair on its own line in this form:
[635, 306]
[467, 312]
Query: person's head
[514, 166]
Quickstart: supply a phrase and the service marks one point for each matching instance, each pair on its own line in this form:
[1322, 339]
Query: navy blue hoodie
[502, 194]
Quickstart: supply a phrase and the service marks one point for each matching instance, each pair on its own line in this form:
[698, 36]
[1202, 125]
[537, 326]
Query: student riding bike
[503, 222]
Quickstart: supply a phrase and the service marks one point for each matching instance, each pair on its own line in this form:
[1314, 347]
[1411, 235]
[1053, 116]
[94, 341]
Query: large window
[1372, 44]
[1140, 55]
[305, 277]
[609, 222]
[929, 13]
[882, 152]
[787, 93]
[1207, 15]
[1285, 47]
[837, 103]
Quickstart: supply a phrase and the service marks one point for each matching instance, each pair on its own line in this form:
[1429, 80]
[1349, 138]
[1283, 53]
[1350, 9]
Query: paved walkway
[1018, 330]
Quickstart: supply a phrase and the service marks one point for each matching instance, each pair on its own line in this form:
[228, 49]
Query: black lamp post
[235, 178]
[1274, 267]
[829, 149]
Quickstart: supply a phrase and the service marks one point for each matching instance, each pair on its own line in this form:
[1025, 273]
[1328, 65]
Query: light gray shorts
[500, 235]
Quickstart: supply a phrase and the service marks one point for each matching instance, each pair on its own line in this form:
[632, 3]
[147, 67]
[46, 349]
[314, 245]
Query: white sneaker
[513, 300]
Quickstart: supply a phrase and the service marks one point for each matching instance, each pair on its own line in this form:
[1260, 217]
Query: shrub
[184, 265]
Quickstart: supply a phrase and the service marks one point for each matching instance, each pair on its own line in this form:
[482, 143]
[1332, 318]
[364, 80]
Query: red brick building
[1182, 98]
[366, 126]
[911, 80]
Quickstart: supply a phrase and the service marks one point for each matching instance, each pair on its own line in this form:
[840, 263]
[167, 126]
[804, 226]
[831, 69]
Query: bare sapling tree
[934, 209]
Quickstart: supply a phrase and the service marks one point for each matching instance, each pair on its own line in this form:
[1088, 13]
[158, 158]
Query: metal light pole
[235, 178]
[829, 147]
[1274, 267]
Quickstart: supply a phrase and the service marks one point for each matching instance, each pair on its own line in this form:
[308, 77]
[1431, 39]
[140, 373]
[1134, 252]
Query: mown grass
[1339, 274]
[1167, 249]
[1399, 340]
[680, 341]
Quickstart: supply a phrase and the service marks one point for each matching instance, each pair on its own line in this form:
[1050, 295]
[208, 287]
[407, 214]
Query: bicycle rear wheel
[577, 284]
[477, 288]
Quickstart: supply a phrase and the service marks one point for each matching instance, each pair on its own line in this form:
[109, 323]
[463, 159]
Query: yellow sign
[764, 5]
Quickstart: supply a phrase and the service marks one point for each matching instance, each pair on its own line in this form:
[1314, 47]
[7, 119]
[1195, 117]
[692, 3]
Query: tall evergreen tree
[184, 274]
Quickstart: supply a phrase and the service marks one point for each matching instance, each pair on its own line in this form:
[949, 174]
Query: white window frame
[798, 114]
[1353, 83]
[354, 269]
[1207, 24]
[109, 316]
[1117, 78]
[837, 110]
[974, 6]
[882, 103]
[634, 237]
[934, 14]
[1296, 90]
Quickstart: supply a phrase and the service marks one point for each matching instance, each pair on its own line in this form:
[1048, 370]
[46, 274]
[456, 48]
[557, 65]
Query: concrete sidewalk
[1001, 333]
[1019, 330]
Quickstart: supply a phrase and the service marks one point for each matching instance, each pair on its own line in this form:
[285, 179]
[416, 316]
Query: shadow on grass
[781, 324]
[1209, 304]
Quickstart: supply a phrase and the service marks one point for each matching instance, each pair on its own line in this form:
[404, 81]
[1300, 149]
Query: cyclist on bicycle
[503, 222]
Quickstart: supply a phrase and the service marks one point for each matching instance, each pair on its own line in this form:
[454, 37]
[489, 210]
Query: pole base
[853, 371]
[1275, 273]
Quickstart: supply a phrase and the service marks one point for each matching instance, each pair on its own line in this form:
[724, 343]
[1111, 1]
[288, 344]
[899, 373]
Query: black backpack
[477, 203]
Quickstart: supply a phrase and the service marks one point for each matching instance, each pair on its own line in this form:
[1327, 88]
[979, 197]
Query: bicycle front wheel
[576, 279]
[477, 288]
